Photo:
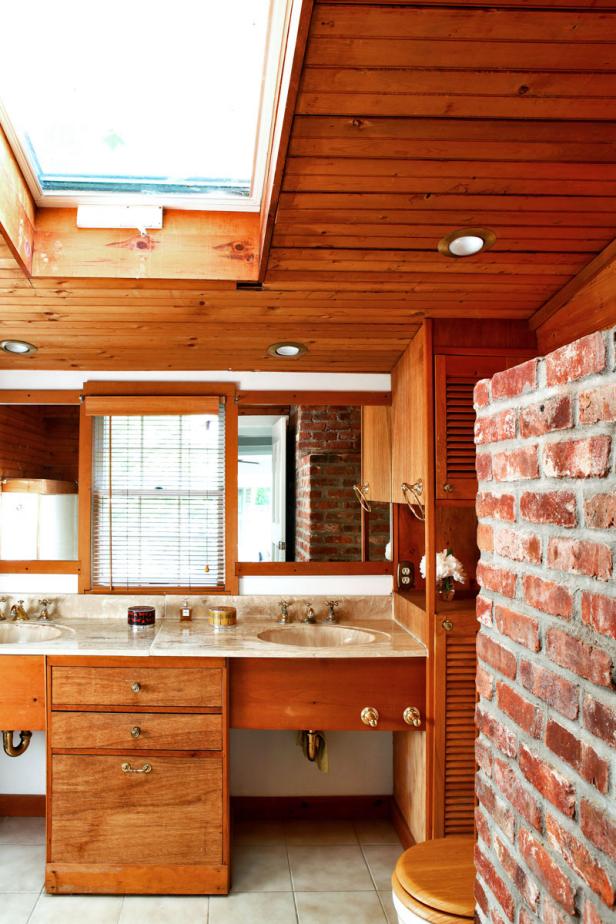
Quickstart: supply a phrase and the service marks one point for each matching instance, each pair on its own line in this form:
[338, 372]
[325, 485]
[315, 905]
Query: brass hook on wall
[12, 750]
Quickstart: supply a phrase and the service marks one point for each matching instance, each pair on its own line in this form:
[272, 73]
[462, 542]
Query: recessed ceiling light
[287, 350]
[17, 346]
[466, 242]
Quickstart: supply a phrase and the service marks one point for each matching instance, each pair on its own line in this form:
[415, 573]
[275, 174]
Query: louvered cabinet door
[455, 665]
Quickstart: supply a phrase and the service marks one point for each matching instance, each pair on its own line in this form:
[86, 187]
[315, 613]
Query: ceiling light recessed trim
[287, 349]
[17, 347]
[485, 235]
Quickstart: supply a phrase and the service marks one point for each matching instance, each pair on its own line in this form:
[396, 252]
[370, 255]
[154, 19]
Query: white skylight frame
[279, 34]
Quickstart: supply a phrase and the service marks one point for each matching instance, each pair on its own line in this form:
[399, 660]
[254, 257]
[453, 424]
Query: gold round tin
[222, 617]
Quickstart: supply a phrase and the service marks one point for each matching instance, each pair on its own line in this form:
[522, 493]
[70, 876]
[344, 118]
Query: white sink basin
[18, 633]
[309, 636]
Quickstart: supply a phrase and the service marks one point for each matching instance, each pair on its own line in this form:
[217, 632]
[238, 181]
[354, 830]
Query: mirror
[297, 465]
[39, 453]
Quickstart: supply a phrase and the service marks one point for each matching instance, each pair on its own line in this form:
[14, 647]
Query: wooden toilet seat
[435, 880]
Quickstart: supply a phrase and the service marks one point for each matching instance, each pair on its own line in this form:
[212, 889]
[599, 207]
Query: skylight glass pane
[157, 97]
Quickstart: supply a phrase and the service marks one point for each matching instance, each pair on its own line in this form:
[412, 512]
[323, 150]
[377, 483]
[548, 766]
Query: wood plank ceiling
[412, 120]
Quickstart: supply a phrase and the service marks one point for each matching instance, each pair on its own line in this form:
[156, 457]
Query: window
[158, 515]
[172, 103]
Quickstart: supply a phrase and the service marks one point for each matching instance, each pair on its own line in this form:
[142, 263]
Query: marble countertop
[169, 637]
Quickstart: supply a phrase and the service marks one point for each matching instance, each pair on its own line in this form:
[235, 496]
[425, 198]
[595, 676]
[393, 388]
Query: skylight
[165, 102]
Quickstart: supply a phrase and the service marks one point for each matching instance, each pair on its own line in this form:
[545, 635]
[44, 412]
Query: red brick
[483, 756]
[516, 381]
[552, 414]
[598, 404]
[494, 883]
[496, 656]
[554, 507]
[510, 785]
[483, 827]
[586, 458]
[517, 545]
[578, 556]
[586, 661]
[501, 736]
[481, 393]
[591, 915]
[519, 709]
[543, 866]
[579, 859]
[559, 693]
[499, 580]
[579, 755]
[598, 828]
[480, 897]
[548, 596]
[526, 886]
[556, 788]
[599, 613]
[483, 609]
[552, 914]
[485, 538]
[517, 626]
[516, 464]
[484, 682]
[483, 466]
[576, 360]
[495, 428]
[496, 506]
[497, 809]
[600, 720]
[600, 511]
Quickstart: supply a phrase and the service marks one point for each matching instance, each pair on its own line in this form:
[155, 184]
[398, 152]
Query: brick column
[546, 716]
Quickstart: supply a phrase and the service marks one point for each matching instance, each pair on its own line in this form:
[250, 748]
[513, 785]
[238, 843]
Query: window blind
[158, 500]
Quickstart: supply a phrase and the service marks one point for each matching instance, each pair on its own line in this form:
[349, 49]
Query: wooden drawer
[325, 694]
[156, 731]
[133, 686]
[172, 815]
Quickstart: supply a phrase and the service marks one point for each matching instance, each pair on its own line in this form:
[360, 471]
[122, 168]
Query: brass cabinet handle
[447, 488]
[136, 687]
[412, 716]
[361, 493]
[127, 768]
[447, 625]
[135, 732]
[370, 716]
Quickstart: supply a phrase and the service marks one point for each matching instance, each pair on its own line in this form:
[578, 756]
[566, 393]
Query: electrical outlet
[405, 575]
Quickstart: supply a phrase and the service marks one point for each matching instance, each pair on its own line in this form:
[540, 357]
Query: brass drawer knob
[135, 732]
[447, 625]
[136, 687]
[370, 716]
[128, 768]
[412, 716]
[447, 488]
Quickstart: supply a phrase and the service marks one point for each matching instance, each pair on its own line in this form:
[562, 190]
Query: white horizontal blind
[158, 501]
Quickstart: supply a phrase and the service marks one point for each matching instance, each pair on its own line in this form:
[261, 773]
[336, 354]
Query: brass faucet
[2, 609]
[283, 618]
[18, 613]
[44, 614]
[331, 611]
[309, 616]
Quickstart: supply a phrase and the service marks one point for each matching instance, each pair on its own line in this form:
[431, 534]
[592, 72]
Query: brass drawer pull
[135, 732]
[370, 716]
[136, 687]
[447, 487]
[447, 625]
[127, 768]
[412, 716]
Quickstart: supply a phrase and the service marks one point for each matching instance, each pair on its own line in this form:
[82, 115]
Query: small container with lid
[222, 617]
[140, 617]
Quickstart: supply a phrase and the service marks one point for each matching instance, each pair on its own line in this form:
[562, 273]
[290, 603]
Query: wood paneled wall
[39, 442]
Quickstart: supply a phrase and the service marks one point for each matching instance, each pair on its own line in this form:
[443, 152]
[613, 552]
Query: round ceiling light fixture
[466, 242]
[287, 350]
[21, 347]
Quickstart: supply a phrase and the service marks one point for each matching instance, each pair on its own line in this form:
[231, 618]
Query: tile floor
[294, 873]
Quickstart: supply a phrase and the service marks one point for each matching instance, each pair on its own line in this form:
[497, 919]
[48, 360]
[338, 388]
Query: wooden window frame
[145, 390]
[246, 399]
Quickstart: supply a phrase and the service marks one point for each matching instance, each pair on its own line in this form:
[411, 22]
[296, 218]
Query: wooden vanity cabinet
[137, 776]
[22, 692]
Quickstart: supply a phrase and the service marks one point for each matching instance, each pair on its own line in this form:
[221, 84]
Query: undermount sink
[18, 633]
[310, 636]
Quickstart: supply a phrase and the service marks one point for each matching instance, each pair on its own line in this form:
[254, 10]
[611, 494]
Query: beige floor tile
[15, 907]
[320, 832]
[381, 862]
[341, 907]
[260, 869]
[377, 832]
[388, 907]
[329, 869]
[164, 909]
[23, 831]
[257, 832]
[71, 909]
[253, 908]
[22, 869]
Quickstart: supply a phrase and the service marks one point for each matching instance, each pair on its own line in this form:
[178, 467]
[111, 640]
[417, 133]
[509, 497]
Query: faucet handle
[44, 614]
[284, 611]
[331, 607]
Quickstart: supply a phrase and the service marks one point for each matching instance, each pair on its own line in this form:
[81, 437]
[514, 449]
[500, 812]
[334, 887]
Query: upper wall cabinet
[409, 420]
[376, 452]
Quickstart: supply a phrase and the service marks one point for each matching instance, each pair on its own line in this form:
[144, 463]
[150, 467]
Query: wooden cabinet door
[409, 418]
[376, 452]
[22, 692]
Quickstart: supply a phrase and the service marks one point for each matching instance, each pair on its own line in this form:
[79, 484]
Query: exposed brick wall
[546, 716]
